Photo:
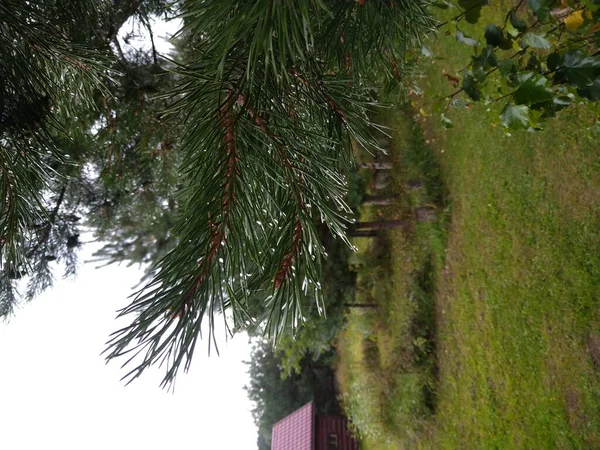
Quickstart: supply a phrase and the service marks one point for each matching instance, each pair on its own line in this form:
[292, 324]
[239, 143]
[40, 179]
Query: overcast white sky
[57, 393]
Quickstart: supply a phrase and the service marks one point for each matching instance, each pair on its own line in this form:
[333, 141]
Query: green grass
[517, 292]
[520, 289]
[387, 363]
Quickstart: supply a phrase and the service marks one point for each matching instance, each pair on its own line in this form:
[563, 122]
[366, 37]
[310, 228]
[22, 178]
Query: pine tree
[273, 94]
[51, 64]
[268, 97]
[59, 85]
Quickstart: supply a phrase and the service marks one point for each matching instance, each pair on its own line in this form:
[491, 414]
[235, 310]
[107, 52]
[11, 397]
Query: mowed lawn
[518, 299]
[517, 294]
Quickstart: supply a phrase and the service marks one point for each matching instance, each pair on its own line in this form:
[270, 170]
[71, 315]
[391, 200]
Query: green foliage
[516, 22]
[547, 56]
[315, 337]
[578, 69]
[51, 66]
[472, 9]
[515, 116]
[541, 8]
[269, 120]
[493, 35]
[387, 352]
[216, 167]
[136, 154]
[275, 396]
[535, 41]
[93, 151]
[533, 90]
[517, 296]
[471, 86]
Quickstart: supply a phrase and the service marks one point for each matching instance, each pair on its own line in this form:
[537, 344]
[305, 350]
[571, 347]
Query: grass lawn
[516, 288]
[387, 367]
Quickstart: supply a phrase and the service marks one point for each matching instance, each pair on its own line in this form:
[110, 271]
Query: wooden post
[363, 233]
[379, 225]
[424, 214]
[375, 165]
[361, 305]
[378, 199]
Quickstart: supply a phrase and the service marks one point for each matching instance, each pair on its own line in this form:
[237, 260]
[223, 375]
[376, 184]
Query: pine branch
[270, 112]
[218, 232]
[120, 12]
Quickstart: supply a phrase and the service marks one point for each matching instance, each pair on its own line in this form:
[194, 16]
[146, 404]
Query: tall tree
[49, 71]
[268, 97]
[275, 396]
[273, 92]
[75, 114]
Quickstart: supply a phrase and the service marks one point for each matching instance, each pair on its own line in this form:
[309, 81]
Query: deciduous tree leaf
[554, 61]
[507, 67]
[517, 23]
[510, 71]
[493, 35]
[574, 20]
[592, 5]
[446, 123]
[536, 41]
[541, 8]
[562, 101]
[470, 85]
[515, 117]
[473, 15]
[473, 9]
[591, 92]
[460, 37]
[533, 90]
[580, 70]
[506, 43]
[486, 59]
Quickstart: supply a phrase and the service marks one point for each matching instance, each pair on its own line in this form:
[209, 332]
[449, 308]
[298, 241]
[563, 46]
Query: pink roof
[295, 432]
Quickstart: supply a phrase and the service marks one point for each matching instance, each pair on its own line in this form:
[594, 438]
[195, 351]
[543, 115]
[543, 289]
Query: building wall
[332, 434]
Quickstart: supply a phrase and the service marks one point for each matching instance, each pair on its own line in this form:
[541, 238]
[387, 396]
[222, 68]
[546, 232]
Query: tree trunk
[381, 180]
[378, 199]
[361, 305]
[424, 214]
[363, 233]
[415, 183]
[381, 225]
[375, 165]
